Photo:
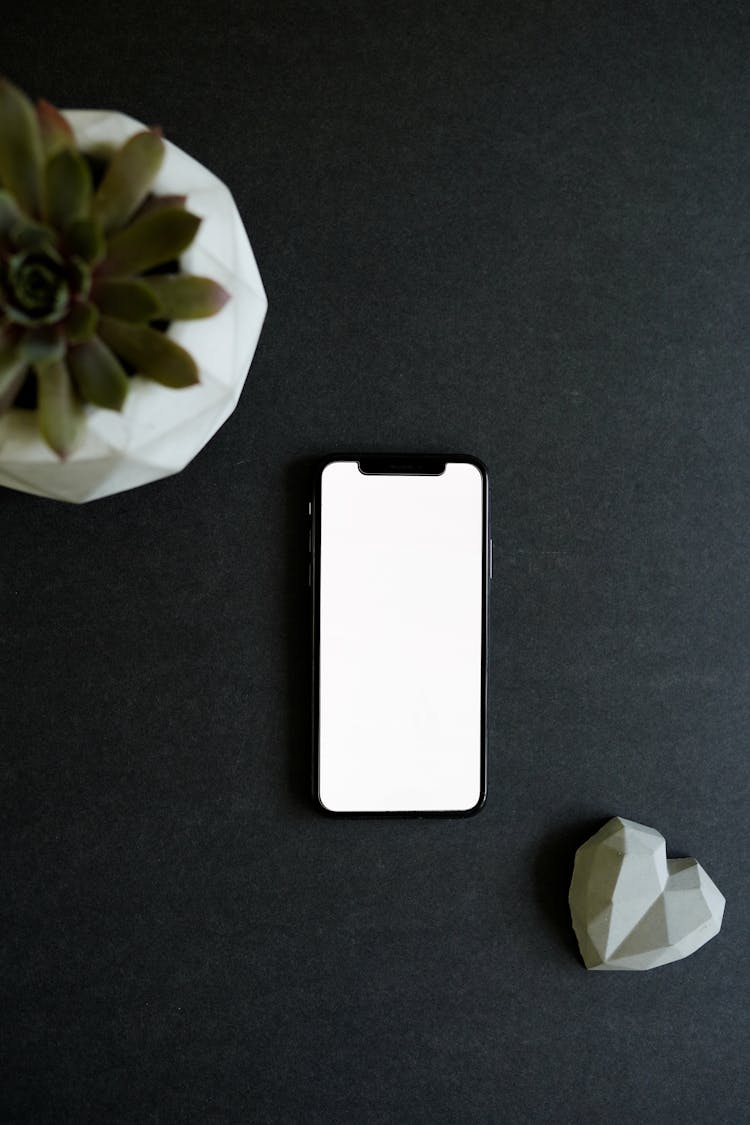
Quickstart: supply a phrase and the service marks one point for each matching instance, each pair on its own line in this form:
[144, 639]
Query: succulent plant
[89, 270]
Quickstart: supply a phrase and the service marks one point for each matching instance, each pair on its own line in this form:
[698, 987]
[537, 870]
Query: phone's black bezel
[417, 463]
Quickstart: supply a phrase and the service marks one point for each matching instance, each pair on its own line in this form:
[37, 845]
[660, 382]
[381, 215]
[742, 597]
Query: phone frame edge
[314, 517]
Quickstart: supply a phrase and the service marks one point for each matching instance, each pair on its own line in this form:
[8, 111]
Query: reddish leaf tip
[50, 117]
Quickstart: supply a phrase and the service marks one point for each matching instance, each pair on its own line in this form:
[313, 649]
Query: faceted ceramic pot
[159, 429]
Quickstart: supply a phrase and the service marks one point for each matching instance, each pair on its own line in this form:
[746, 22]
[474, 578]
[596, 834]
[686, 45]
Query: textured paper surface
[518, 230]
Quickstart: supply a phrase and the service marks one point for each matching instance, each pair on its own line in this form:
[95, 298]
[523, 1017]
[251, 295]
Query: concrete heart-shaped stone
[632, 908]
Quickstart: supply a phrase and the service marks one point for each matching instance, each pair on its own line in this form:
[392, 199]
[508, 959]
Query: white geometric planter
[159, 429]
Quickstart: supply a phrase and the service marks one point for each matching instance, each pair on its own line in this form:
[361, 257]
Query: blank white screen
[400, 671]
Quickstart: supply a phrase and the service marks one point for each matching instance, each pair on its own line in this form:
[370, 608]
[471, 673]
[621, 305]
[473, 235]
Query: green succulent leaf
[128, 178]
[154, 203]
[79, 276]
[67, 188]
[20, 147]
[55, 131]
[37, 289]
[127, 300]
[9, 213]
[86, 239]
[59, 409]
[10, 384]
[42, 345]
[98, 374]
[150, 352]
[183, 297]
[13, 368]
[28, 235]
[81, 323]
[149, 242]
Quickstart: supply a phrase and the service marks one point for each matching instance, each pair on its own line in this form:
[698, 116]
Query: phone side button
[492, 557]
[309, 574]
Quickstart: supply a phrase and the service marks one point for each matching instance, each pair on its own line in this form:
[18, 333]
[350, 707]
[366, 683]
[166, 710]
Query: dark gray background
[518, 230]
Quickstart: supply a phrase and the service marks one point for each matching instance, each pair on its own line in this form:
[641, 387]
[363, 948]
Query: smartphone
[400, 571]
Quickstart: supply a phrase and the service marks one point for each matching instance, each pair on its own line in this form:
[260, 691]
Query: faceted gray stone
[632, 908]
